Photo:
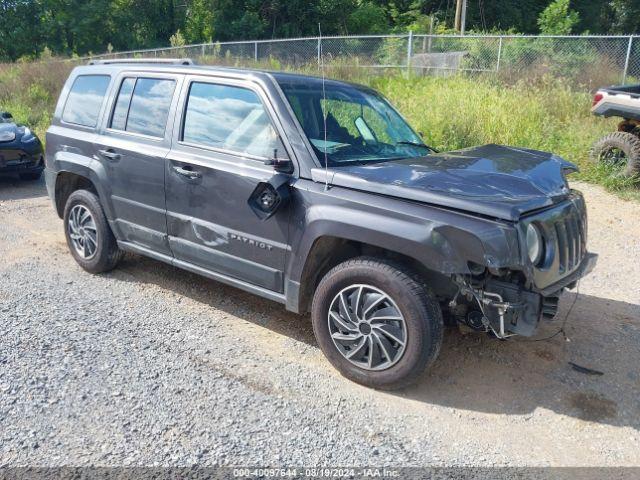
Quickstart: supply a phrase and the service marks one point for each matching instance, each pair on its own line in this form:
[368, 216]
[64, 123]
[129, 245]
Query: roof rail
[167, 61]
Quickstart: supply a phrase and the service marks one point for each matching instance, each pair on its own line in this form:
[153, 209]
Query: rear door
[226, 132]
[132, 146]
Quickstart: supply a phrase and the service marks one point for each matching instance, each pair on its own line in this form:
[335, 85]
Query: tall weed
[459, 112]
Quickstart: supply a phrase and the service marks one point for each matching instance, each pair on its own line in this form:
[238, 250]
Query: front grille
[565, 229]
[571, 240]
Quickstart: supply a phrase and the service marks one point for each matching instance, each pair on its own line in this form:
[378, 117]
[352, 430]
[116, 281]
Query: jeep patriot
[316, 194]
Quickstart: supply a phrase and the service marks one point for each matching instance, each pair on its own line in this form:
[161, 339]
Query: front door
[132, 147]
[220, 144]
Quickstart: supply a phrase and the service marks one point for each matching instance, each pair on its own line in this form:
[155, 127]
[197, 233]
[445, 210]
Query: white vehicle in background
[623, 146]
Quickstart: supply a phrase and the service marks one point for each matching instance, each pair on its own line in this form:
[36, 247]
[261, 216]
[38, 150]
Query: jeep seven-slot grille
[571, 240]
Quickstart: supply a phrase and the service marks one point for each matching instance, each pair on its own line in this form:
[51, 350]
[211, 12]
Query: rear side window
[230, 118]
[85, 100]
[143, 106]
[121, 110]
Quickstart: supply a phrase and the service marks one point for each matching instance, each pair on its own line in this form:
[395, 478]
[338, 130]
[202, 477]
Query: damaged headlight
[535, 245]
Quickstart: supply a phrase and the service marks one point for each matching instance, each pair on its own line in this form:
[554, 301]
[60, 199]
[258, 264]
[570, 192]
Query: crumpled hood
[498, 181]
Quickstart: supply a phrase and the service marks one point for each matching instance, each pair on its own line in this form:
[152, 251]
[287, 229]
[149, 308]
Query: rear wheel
[376, 323]
[621, 150]
[88, 234]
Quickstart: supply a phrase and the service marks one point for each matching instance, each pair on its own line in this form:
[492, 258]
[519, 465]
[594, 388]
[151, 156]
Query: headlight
[7, 136]
[535, 246]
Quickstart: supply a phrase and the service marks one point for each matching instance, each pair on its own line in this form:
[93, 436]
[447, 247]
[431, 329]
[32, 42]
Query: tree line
[31, 28]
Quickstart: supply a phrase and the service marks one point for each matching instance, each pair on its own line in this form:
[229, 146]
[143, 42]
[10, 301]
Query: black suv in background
[319, 195]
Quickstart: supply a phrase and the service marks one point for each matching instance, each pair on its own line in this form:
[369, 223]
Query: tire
[625, 144]
[103, 253]
[31, 176]
[367, 279]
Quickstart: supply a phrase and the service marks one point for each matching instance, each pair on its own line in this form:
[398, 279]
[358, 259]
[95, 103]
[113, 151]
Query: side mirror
[283, 165]
[269, 196]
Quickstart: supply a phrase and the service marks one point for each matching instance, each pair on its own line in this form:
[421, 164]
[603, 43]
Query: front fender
[441, 247]
[441, 240]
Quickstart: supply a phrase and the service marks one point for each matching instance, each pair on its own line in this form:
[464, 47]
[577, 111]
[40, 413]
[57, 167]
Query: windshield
[362, 127]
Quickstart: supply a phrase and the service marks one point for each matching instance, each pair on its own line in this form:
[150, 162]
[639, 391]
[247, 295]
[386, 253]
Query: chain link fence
[584, 61]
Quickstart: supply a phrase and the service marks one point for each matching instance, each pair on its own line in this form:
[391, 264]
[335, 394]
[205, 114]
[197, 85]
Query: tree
[367, 18]
[68, 27]
[626, 16]
[557, 19]
[199, 21]
[20, 26]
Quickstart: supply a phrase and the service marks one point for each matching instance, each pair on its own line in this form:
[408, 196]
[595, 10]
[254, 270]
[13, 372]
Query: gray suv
[318, 195]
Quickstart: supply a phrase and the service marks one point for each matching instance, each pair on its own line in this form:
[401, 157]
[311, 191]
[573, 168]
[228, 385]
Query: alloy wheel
[367, 327]
[83, 232]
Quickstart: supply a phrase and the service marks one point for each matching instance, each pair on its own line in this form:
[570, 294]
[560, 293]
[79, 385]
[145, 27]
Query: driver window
[230, 118]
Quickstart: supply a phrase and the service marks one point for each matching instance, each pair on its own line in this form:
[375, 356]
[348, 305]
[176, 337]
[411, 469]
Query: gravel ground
[151, 365]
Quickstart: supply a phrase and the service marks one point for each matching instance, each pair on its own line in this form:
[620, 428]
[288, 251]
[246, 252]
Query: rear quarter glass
[85, 100]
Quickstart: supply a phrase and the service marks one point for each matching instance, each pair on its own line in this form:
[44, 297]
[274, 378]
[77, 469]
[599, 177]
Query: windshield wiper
[416, 144]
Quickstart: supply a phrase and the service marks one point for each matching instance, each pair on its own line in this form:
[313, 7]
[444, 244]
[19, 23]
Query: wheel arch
[327, 251]
[78, 173]
[66, 184]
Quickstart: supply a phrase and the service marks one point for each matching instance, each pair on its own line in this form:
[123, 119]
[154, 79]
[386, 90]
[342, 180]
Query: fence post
[499, 54]
[409, 52]
[203, 50]
[255, 51]
[626, 60]
[319, 50]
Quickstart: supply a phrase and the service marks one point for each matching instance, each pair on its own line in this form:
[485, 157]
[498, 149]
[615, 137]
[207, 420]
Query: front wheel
[376, 323]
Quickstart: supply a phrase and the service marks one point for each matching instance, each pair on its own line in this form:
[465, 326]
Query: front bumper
[586, 267]
[12, 161]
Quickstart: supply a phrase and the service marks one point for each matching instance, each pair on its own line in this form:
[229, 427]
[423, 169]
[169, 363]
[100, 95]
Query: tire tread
[627, 142]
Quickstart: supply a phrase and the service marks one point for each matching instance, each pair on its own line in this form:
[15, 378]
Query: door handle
[187, 172]
[110, 154]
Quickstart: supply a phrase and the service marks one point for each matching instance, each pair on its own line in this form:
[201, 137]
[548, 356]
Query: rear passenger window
[143, 105]
[85, 100]
[230, 118]
[119, 119]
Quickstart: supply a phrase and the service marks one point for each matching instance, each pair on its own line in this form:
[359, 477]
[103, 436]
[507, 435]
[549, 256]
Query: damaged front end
[502, 307]
[512, 301]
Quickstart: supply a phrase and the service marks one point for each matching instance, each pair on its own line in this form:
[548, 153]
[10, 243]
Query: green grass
[452, 113]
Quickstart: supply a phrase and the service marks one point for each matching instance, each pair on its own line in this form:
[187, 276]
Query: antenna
[325, 112]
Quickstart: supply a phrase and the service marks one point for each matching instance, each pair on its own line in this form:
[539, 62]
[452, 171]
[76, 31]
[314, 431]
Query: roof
[278, 76]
